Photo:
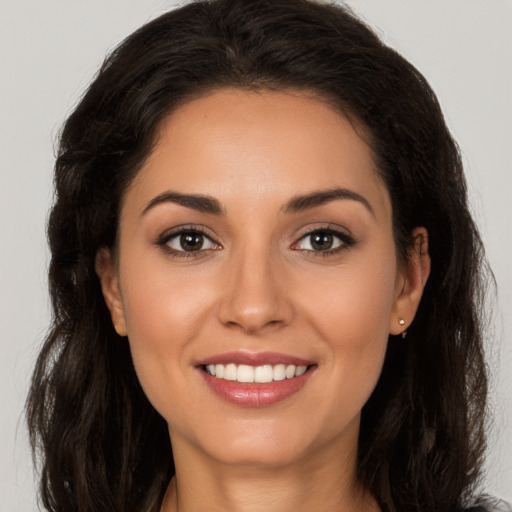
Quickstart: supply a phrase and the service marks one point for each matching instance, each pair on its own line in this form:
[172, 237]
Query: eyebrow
[321, 197]
[208, 204]
[198, 202]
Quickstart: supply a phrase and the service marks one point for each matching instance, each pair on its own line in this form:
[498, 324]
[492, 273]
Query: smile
[255, 374]
[255, 379]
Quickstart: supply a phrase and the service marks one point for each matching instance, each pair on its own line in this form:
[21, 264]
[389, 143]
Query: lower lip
[256, 394]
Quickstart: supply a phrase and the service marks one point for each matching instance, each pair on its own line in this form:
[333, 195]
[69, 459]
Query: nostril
[254, 299]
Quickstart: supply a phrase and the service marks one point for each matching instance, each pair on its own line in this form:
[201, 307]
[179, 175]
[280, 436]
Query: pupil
[321, 241]
[191, 241]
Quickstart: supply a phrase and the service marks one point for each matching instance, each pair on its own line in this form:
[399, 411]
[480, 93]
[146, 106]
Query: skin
[259, 285]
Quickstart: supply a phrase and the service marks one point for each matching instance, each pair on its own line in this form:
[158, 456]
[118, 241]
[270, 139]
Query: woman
[265, 278]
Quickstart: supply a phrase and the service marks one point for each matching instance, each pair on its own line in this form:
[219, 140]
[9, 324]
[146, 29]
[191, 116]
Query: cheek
[162, 303]
[351, 304]
[164, 312]
[349, 308]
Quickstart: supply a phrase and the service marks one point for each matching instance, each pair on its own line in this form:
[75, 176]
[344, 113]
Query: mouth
[263, 374]
[255, 380]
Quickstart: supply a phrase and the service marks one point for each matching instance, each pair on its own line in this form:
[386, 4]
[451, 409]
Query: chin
[270, 443]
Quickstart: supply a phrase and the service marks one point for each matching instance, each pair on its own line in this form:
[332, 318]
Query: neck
[317, 483]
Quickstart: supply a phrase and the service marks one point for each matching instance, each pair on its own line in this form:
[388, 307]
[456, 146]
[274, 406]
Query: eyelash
[164, 240]
[345, 239]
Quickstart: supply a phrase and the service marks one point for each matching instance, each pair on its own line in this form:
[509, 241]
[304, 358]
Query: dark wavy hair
[101, 444]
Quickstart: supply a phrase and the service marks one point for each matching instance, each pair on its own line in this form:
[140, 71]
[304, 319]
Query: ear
[106, 270]
[411, 282]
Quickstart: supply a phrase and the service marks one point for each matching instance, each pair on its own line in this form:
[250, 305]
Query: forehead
[257, 146]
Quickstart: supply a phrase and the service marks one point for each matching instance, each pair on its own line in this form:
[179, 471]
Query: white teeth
[230, 372]
[245, 373]
[260, 374]
[279, 372]
[263, 374]
[300, 370]
[219, 371]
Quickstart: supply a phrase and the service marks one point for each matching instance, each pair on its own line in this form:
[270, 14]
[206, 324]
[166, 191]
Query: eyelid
[342, 234]
[164, 238]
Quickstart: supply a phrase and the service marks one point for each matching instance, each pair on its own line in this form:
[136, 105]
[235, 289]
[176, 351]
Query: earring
[402, 323]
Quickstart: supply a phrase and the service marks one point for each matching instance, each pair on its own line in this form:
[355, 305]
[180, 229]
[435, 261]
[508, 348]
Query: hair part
[102, 444]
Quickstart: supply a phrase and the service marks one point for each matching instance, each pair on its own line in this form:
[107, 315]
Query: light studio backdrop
[50, 50]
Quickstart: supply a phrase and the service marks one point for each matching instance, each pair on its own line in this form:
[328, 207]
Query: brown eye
[191, 241]
[188, 241]
[321, 241]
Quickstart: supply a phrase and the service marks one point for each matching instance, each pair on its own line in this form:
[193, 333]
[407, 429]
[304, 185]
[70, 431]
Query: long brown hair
[102, 446]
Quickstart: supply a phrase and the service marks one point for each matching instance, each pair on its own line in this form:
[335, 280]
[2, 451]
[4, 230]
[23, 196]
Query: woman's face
[256, 241]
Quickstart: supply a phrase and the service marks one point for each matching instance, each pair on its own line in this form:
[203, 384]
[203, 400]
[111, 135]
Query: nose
[255, 297]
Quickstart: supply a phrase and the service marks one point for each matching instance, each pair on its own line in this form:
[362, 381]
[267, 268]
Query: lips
[255, 379]
[254, 359]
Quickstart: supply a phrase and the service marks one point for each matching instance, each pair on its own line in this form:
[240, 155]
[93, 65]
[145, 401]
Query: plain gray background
[49, 50]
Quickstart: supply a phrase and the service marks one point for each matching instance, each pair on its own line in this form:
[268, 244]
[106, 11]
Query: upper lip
[254, 359]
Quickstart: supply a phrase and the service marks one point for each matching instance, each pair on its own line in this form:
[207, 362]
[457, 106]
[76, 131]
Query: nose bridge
[255, 296]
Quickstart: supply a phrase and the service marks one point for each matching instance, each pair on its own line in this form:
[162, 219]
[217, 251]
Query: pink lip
[255, 394]
[254, 359]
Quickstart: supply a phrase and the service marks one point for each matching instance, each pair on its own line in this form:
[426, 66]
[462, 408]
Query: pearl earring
[402, 323]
